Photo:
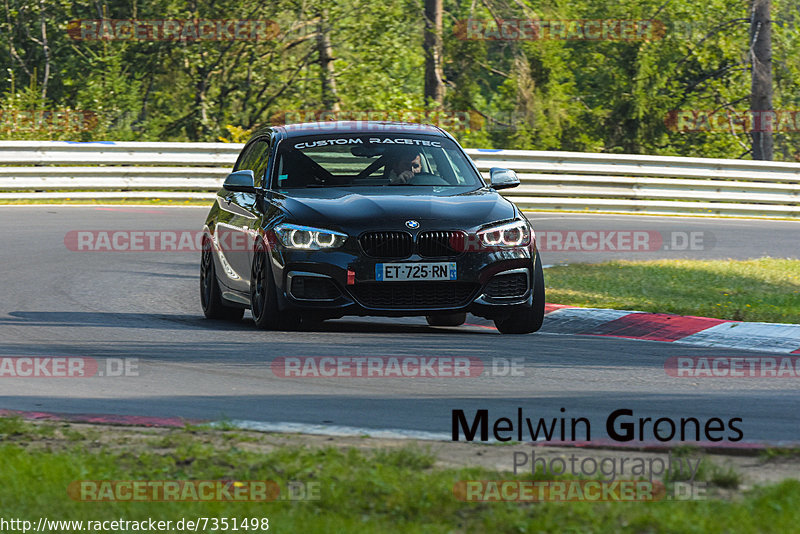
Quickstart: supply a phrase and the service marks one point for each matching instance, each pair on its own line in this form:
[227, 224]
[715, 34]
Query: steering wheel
[426, 178]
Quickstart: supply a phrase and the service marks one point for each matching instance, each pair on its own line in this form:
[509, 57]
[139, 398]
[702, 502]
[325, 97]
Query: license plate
[400, 272]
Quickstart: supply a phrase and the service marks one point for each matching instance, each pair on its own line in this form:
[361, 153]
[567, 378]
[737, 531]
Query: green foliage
[237, 134]
[563, 94]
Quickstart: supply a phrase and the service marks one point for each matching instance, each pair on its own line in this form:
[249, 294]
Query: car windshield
[372, 160]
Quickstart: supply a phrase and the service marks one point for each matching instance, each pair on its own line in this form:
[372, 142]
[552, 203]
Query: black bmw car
[323, 220]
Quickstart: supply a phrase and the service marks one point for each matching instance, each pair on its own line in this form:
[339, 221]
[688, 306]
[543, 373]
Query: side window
[254, 158]
[261, 158]
[246, 158]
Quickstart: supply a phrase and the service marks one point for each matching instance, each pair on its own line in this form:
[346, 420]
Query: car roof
[351, 127]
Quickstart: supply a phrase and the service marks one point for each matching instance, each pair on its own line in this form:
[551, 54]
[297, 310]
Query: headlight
[305, 238]
[509, 235]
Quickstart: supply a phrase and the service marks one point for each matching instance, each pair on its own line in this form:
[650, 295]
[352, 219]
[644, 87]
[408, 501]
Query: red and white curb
[682, 329]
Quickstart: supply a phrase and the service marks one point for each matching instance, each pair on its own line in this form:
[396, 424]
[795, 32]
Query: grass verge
[764, 289]
[367, 490]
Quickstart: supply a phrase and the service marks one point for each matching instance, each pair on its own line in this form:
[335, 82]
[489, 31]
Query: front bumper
[335, 283]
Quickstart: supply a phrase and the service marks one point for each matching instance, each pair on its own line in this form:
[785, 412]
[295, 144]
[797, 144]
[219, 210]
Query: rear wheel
[264, 296]
[210, 295]
[530, 319]
[450, 319]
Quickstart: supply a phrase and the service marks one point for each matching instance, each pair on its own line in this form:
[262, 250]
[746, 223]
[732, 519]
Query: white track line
[333, 430]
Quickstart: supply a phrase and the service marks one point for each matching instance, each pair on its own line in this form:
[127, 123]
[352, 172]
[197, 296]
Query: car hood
[390, 207]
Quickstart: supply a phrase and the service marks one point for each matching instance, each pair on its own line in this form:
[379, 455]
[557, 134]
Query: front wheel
[264, 296]
[451, 319]
[210, 295]
[529, 319]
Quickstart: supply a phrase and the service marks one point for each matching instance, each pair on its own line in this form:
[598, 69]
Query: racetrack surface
[563, 236]
[144, 305]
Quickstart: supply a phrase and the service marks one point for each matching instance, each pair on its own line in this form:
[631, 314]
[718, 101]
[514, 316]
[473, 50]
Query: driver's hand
[402, 178]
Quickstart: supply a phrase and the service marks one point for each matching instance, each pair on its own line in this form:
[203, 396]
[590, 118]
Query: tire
[451, 319]
[210, 295]
[530, 319]
[264, 296]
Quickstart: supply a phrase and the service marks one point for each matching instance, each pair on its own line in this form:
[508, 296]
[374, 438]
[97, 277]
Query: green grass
[764, 289]
[773, 454]
[725, 477]
[383, 490]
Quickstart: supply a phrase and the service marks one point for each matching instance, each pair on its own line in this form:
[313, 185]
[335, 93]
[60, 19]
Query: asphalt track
[144, 305]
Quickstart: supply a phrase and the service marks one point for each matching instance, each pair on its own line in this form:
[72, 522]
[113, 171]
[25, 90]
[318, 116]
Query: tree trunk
[45, 49]
[434, 84]
[763, 116]
[330, 97]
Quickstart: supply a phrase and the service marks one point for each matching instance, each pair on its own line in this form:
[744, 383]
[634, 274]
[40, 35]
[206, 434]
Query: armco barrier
[571, 181]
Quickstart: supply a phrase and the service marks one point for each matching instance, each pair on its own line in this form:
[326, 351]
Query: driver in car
[404, 165]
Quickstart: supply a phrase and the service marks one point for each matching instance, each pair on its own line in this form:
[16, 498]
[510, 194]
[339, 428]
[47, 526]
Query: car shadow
[183, 321]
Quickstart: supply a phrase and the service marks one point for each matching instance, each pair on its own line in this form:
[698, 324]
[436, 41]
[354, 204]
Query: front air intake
[387, 245]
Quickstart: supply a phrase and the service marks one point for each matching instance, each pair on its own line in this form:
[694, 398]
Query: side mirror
[240, 181]
[503, 178]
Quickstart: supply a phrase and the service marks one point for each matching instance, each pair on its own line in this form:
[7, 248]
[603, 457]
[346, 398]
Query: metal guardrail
[571, 181]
